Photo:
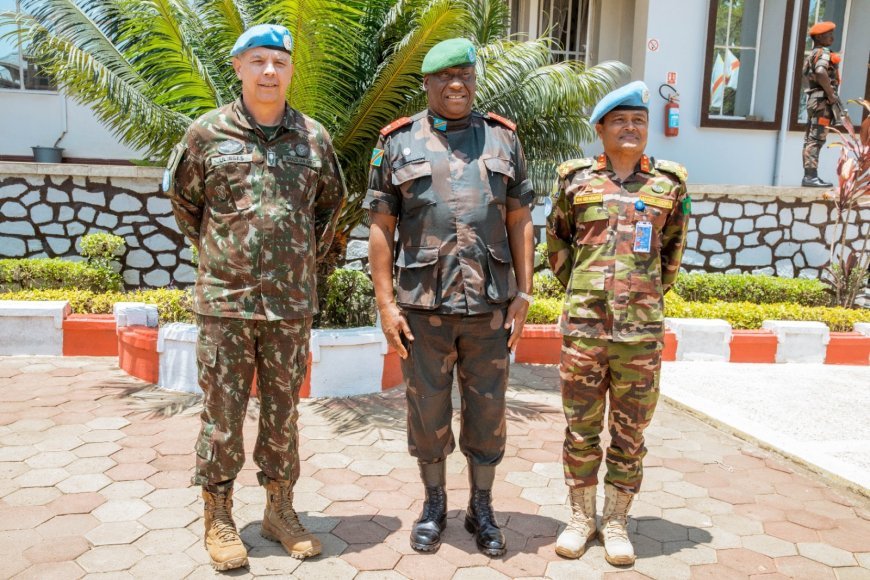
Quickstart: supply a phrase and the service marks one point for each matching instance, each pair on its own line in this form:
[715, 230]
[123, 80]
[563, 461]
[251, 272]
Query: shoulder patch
[673, 168]
[573, 165]
[175, 156]
[499, 119]
[395, 125]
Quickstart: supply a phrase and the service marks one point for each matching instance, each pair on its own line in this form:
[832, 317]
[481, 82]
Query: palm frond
[489, 20]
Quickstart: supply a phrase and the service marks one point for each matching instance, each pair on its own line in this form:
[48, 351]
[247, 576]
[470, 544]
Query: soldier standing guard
[821, 69]
[256, 186]
[615, 236]
[454, 183]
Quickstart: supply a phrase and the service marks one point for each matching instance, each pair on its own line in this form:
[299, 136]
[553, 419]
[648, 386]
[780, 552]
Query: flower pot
[540, 344]
[48, 154]
[90, 335]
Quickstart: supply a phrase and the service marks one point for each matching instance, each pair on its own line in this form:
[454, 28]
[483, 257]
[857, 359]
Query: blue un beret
[633, 95]
[268, 35]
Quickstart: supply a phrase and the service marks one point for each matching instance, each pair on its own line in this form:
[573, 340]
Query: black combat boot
[812, 179]
[479, 517]
[426, 533]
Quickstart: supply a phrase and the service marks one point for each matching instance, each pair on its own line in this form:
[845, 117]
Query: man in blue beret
[452, 184]
[256, 186]
[616, 236]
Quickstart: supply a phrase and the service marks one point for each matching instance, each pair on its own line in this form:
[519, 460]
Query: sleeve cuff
[523, 191]
[380, 202]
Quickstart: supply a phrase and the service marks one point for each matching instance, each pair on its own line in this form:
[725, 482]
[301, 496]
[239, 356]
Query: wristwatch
[527, 297]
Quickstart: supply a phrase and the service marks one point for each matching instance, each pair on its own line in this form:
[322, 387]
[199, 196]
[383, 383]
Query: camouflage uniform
[451, 189]
[820, 113]
[261, 212]
[612, 320]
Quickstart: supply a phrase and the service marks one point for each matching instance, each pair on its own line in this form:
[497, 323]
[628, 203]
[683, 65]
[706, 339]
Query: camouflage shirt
[820, 57]
[451, 190]
[261, 212]
[613, 291]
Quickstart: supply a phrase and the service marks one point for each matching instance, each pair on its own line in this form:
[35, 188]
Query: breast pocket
[592, 223]
[499, 172]
[297, 177]
[500, 282]
[414, 179]
[418, 283]
[230, 187]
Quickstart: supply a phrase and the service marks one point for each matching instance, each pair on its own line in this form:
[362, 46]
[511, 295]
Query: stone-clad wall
[46, 208]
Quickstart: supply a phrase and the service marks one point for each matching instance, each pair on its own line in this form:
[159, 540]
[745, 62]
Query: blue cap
[634, 95]
[268, 35]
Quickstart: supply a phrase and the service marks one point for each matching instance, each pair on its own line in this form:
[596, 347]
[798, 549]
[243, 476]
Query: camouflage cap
[267, 35]
[632, 96]
[447, 53]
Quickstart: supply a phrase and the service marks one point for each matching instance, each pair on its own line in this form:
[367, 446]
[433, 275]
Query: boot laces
[579, 517]
[483, 505]
[222, 520]
[616, 529]
[432, 508]
[284, 509]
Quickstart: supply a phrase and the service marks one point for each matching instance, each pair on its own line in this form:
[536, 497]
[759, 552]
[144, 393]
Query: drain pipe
[779, 151]
[65, 121]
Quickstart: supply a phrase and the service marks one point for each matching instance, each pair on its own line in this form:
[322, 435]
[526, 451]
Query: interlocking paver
[711, 507]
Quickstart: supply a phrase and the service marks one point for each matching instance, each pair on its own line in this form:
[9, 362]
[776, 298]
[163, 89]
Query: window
[745, 67]
[567, 21]
[811, 12]
[16, 71]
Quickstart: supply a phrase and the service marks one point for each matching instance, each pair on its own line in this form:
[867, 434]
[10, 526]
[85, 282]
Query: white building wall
[30, 118]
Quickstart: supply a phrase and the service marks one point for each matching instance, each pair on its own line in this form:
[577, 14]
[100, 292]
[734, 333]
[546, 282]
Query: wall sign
[653, 45]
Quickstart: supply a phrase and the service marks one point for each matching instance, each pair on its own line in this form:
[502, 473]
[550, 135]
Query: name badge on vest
[642, 237]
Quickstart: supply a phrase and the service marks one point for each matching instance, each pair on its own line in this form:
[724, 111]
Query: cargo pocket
[592, 224]
[206, 351]
[587, 299]
[500, 282]
[645, 298]
[419, 279]
[204, 445]
[499, 173]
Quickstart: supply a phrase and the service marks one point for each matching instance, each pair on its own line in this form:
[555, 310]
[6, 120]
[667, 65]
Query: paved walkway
[94, 470]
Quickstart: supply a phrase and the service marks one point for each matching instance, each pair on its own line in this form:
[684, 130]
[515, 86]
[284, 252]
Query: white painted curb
[176, 345]
[32, 328]
[799, 341]
[348, 361]
[701, 338]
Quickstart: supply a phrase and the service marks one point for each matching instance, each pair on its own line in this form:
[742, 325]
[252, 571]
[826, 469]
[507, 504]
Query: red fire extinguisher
[672, 111]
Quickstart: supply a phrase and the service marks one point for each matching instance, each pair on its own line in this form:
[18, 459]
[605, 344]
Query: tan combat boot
[281, 524]
[225, 547]
[614, 526]
[572, 541]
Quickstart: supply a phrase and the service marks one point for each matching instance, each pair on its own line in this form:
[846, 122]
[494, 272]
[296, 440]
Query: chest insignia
[377, 157]
[439, 124]
[662, 202]
[592, 197]
[224, 159]
[302, 149]
[230, 147]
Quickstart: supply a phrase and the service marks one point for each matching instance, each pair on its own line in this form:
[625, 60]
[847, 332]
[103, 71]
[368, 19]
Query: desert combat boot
[581, 528]
[614, 526]
[281, 523]
[225, 547]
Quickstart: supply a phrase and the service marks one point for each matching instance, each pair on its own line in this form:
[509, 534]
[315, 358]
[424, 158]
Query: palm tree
[149, 67]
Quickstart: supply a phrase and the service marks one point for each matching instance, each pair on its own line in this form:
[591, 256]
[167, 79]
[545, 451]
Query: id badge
[643, 237]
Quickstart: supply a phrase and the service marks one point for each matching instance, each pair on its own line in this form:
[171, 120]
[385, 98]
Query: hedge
[545, 311]
[758, 289]
[48, 273]
[173, 305]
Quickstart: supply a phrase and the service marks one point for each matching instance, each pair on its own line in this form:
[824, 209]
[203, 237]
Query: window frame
[22, 88]
[723, 123]
[794, 124]
[580, 33]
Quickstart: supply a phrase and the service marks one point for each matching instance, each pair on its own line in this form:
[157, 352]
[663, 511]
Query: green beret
[447, 53]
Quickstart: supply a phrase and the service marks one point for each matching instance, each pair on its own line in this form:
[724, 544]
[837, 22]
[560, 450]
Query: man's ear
[237, 65]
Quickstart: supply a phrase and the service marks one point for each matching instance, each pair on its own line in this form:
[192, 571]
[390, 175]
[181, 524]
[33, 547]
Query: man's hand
[516, 317]
[394, 326]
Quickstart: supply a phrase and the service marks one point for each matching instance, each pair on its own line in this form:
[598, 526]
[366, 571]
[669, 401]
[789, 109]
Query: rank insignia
[377, 157]
[302, 149]
[230, 147]
[440, 124]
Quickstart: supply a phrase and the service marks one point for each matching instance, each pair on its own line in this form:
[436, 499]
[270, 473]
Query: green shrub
[547, 286]
[349, 300]
[173, 305]
[541, 257]
[100, 250]
[47, 273]
[545, 311]
[749, 315]
[702, 287]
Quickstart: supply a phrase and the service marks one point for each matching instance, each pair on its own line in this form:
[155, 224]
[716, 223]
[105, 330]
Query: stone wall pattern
[782, 231]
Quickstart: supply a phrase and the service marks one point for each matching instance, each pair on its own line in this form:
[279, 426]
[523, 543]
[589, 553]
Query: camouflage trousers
[477, 346]
[626, 373]
[820, 116]
[229, 352]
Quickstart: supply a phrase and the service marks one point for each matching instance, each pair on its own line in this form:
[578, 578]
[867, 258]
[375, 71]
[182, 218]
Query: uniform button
[639, 205]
